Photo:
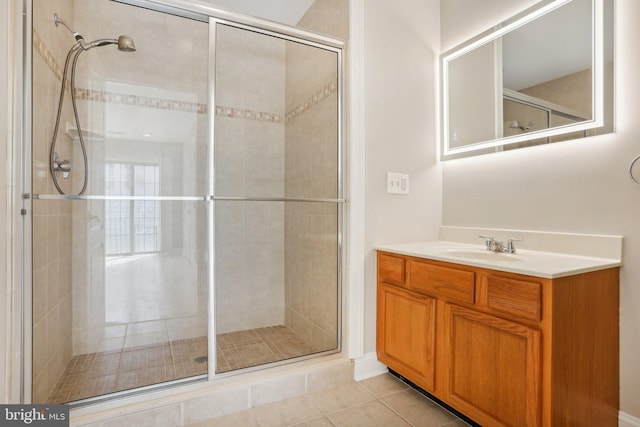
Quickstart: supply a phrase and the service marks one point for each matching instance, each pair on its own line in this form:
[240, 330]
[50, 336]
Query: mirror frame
[513, 23]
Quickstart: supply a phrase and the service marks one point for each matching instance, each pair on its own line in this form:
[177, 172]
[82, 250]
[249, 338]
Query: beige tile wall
[51, 220]
[572, 91]
[311, 306]
[287, 148]
[327, 17]
[167, 77]
[63, 272]
[249, 162]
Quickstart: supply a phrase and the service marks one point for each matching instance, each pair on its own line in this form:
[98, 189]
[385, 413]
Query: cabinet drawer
[518, 297]
[392, 268]
[448, 283]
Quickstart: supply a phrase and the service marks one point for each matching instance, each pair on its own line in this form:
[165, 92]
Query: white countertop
[548, 265]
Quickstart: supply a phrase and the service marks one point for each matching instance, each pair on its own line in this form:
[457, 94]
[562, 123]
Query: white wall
[462, 19]
[474, 98]
[401, 42]
[577, 186]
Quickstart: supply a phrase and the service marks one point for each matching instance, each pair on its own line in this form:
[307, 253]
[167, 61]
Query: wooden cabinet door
[406, 334]
[493, 372]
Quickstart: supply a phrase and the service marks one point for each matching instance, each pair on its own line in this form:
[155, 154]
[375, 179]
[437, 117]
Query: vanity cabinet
[502, 348]
[494, 370]
[406, 331]
[408, 323]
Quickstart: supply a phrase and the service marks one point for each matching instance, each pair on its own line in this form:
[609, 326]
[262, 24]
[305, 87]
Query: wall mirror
[543, 76]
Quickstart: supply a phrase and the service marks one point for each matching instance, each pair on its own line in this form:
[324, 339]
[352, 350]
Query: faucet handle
[489, 241]
[510, 248]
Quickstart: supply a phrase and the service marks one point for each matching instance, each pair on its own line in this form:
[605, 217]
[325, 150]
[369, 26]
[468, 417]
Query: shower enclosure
[208, 240]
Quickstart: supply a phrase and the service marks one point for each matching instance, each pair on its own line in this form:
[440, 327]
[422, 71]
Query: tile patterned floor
[100, 373]
[383, 401]
[254, 347]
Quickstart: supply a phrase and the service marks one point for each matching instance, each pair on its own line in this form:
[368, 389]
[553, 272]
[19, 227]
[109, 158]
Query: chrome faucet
[495, 246]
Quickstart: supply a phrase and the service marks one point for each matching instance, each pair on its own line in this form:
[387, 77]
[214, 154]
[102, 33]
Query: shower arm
[76, 35]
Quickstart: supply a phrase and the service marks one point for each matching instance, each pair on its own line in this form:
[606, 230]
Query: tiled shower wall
[276, 137]
[311, 171]
[250, 163]
[311, 165]
[166, 78]
[66, 272]
[573, 91]
[52, 346]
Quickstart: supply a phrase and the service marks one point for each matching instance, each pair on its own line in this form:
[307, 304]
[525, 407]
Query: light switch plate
[397, 183]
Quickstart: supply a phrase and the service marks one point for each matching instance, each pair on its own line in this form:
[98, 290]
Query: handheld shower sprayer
[56, 166]
[125, 44]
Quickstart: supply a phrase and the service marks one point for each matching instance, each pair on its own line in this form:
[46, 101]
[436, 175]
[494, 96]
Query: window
[132, 226]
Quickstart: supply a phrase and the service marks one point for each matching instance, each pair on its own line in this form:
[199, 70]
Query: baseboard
[626, 420]
[368, 366]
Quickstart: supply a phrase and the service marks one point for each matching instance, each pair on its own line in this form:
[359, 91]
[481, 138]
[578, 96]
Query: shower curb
[184, 405]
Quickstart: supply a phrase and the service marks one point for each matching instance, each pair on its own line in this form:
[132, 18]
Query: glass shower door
[190, 187]
[277, 198]
[120, 272]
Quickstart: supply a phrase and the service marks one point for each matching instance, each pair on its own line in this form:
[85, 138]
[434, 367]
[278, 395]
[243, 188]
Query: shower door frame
[293, 35]
[213, 16]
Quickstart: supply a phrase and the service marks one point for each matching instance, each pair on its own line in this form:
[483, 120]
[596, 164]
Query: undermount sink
[482, 255]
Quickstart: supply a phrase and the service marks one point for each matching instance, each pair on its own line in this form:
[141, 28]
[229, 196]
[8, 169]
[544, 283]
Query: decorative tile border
[175, 105]
[47, 55]
[239, 113]
[140, 101]
[312, 101]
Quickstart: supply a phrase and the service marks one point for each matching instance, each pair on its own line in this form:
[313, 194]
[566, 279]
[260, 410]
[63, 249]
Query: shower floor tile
[237, 350]
[94, 374]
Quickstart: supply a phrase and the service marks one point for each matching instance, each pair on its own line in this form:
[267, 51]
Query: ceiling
[283, 11]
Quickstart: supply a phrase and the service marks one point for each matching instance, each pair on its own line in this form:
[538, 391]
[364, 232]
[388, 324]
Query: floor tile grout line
[312, 419]
[173, 358]
[396, 412]
[365, 402]
[437, 404]
[326, 414]
[392, 393]
[348, 408]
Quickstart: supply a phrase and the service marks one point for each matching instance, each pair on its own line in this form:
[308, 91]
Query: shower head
[125, 44]
[515, 124]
